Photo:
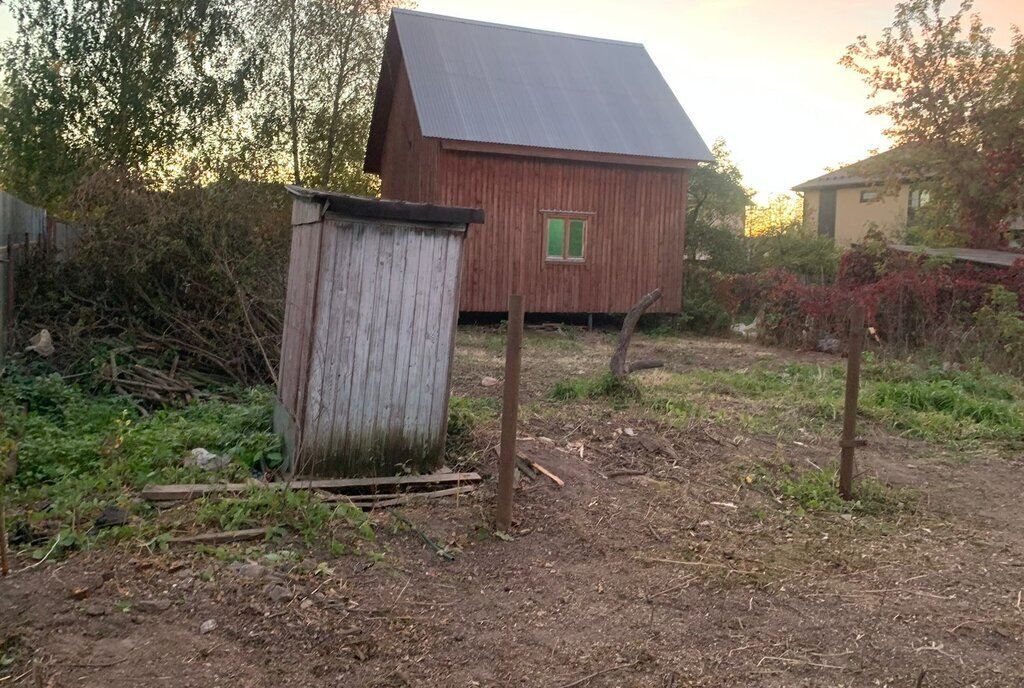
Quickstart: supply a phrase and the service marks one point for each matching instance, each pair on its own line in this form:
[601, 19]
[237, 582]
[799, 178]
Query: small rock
[206, 460]
[248, 569]
[488, 381]
[79, 593]
[830, 344]
[152, 606]
[110, 516]
[306, 603]
[208, 626]
[94, 609]
[280, 594]
[630, 432]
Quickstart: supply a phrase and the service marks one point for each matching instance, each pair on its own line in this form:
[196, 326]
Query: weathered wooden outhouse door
[369, 332]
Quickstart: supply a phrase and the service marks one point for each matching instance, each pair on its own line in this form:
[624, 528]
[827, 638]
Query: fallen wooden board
[168, 493]
[221, 538]
[382, 500]
[554, 478]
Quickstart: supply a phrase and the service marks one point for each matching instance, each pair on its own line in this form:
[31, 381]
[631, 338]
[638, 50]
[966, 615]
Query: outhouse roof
[378, 209]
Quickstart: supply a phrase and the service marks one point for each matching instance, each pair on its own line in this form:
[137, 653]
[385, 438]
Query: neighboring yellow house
[845, 203]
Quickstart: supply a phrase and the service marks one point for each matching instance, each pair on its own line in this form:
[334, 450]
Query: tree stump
[620, 368]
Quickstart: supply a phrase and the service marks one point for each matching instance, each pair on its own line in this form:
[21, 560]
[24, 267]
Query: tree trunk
[339, 87]
[618, 363]
[293, 115]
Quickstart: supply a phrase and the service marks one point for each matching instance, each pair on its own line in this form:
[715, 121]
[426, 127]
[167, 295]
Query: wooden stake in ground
[850, 442]
[618, 364]
[8, 468]
[509, 414]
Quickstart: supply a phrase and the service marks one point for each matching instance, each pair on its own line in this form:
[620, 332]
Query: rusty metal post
[509, 413]
[849, 442]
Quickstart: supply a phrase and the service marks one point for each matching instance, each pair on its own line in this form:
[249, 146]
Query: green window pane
[576, 238]
[556, 237]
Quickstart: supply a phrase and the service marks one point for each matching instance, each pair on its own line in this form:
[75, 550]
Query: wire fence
[25, 228]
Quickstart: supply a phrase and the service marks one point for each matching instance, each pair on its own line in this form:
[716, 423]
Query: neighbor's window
[918, 199]
[866, 196]
[566, 237]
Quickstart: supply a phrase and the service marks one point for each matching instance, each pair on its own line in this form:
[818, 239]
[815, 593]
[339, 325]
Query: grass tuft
[605, 386]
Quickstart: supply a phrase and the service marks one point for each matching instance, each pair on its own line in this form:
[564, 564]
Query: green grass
[465, 415]
[953, 407]
[815, 491]
[79, 453]
[605, 386]
[958, 409]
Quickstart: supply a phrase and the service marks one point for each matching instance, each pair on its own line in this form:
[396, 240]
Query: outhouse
[369, 333]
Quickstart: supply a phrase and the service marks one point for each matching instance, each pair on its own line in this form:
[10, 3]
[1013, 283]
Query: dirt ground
[656, 565]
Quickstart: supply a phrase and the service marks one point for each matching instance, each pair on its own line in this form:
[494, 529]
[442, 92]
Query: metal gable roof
[489, 83]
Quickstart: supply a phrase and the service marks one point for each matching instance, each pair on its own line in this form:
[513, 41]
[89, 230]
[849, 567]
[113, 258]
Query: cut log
[167, 493]
[620, 368]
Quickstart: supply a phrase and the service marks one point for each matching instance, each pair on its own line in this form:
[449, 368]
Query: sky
[762, 74]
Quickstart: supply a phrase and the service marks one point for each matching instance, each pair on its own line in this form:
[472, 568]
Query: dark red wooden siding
[409, 165]
[634, 239]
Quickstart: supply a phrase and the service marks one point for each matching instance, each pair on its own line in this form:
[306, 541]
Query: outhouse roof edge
[384, 209]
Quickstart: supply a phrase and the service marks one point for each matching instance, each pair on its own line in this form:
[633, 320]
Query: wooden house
[575, 147]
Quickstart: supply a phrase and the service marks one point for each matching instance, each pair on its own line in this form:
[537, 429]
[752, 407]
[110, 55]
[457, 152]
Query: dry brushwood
[620, 368]
[148, 384]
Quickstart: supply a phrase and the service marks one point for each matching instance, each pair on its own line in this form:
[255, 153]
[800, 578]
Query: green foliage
[799, 250]
[818, 491]
[299, 510]
[272, 91]
[78, 454]
[1000, 325]
[605, 386]
[715, 209]
[703, 311]
[111, 82]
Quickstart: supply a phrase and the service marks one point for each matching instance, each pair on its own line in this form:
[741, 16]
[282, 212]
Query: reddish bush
[909, 300]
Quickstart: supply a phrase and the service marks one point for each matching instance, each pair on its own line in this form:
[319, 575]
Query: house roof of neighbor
[489, 83]
[970, 255]
[867, 172]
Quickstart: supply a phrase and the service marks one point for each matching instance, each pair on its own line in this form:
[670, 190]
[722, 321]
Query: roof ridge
[511, 27]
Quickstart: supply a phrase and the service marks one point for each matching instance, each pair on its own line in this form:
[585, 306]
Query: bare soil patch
[658, 564]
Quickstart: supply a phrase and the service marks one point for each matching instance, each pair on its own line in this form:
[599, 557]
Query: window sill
[566, 261]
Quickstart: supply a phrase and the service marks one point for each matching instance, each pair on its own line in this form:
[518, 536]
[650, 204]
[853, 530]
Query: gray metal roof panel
[489, 83]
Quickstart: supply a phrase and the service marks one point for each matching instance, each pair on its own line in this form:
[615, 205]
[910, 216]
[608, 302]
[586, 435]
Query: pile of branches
[194, 274]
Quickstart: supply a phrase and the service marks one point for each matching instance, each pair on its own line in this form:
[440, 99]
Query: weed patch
[603, 386]
[818, 491]
[956, 408]
[465, 416]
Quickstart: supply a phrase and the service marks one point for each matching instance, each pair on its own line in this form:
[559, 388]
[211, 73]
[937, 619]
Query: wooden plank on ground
[220, 538]
[391, 499]
[164, 493]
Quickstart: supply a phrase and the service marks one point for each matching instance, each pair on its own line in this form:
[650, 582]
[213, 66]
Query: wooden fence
[24, 228]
